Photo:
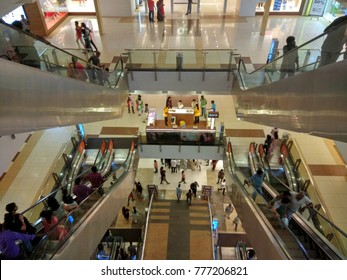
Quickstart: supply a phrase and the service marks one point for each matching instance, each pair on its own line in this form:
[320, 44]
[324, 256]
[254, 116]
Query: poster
[317, 8]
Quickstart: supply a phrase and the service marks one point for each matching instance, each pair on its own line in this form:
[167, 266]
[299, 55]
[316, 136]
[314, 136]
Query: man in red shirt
[151, 10]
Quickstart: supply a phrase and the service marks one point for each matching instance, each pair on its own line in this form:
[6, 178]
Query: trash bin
[179, 61]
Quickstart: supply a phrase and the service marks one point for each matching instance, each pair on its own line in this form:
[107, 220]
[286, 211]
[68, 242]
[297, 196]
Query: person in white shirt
[173, 163]
[296, 201]
[180, 104]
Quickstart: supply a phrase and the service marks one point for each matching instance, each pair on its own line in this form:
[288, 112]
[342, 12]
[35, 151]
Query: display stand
[151, 118]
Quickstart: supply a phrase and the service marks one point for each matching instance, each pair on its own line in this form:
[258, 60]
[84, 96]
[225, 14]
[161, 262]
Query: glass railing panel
[337, 239]
[33, 51]
[322, 50]
[181, 137]
[49, 244]
[164, 59]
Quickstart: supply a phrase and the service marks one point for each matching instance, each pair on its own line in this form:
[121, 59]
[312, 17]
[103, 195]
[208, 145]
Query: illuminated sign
[212, 114]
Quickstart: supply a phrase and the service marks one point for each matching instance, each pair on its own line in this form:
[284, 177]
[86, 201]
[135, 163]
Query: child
[106, 74]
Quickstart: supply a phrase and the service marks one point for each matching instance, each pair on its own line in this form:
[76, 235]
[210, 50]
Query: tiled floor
[27, 175]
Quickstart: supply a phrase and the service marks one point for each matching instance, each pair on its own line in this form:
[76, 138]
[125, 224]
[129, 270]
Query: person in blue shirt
[213, 106]
[257, 182]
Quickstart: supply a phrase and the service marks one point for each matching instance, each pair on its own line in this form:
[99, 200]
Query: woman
[289, 59]
[78, 30]
[51, 225]
[160, 10]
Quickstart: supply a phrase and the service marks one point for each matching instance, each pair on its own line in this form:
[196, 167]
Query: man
[151, 6]
[257, 181]
[203, 104]
[296, 201]
[228, 210]
[194, 186]
[221, 175]
[80, 191]
[189, 7]
[96, 72]
[95, 178]
[333, 43]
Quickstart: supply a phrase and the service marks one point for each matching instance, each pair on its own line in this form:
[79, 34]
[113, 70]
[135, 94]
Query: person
[51, 225]
[163, 175]
[26, 24]
[250, 253]
[183, 177]
[81, 191]
[130, 104]
[28, 54]
[151, 7]
[257, 181]
[96, 71]
[194, 186]
[10, 244]
[125, 212]
[135, 214]
[189, 196]
[221, 175]
[56, 208]
[69, 202]
[333, 43]
[279, 209]
[228, 210]
[160, 10]
[196, 114]
[131, 196]
[96, 179]
[106, 76]
[178, 192]
[146, 109]
[173, 164]
[101, 255]
[214, 164]
[222, 186]
[76, 70]
[298, 199]
[273, 131]
[290, 58]
[155, 166]
[166, 115]
[139, 104]
[180, 104]
[193, 104]
[189, 7]
[274, 146]
[236, 222]
[78, 30]
[267, 144]
[203, 104]
[168, 102]
[132, 251]
[87, 34]
[139, 188]
[16, 222]
[213, 106]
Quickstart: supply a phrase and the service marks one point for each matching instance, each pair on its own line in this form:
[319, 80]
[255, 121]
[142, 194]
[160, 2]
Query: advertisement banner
[317, 8]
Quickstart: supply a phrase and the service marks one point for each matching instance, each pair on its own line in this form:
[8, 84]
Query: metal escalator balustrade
[30, 50]
[312, 238]
[308, 59]
[48, 246]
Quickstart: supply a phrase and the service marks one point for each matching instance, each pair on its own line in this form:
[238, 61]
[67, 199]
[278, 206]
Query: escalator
[309, 244]
[312, 101]
[43, 93]
[80, 223]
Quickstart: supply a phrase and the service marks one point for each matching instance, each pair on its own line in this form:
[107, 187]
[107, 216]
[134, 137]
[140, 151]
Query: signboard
[317, 7]
[212, 114]
[277, 5]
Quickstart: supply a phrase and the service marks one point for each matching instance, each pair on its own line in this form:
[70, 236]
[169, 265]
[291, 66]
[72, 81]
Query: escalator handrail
[289, 52]
[71, 232]
[212, 235]
[331, 223]
[42, 40]
[146, 227]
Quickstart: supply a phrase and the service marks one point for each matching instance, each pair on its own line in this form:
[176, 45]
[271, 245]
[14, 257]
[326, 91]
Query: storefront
[330, 9]
[45, 15]
[282, 7]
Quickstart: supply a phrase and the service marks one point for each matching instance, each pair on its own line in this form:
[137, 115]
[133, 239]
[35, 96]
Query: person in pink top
[49, 221]
[79, 39]
[151, 6]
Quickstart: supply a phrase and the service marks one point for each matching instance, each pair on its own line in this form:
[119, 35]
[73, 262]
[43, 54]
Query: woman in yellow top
[196, 114]
[166, 114]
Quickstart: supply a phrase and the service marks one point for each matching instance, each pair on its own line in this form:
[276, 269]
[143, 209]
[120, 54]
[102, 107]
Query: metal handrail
[146, 225]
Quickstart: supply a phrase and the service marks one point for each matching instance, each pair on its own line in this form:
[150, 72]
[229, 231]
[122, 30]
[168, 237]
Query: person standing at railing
[333, 43]
[290, 60]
